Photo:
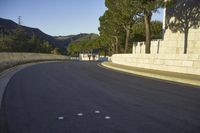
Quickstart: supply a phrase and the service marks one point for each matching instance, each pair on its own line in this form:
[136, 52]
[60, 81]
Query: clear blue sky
[57, 17]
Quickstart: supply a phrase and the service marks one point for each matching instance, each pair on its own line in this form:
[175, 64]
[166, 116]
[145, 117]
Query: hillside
[8, 26]
[75, 38]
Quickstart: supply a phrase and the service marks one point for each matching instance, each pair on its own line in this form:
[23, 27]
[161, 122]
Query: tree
[38, 45]
[156, 30]
[102, 46]
[72, 49]
[145, 9]
[20, 39]
[138, 31]
[110, 29]
[46, 47]
[125, 16]
[56, 51]
[116, 25]
[183, 16]
[96, 45]
[6, 43]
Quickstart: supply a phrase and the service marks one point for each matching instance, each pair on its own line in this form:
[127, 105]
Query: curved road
[81, 97]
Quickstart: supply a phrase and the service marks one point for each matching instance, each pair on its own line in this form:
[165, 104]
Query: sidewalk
[163, 75]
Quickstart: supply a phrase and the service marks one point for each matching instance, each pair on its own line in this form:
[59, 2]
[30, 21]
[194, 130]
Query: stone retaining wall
[181, 63]
[173, 43]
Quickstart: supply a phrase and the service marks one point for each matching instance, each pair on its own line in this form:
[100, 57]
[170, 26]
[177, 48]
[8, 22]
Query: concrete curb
[155, 76]
[7, 74]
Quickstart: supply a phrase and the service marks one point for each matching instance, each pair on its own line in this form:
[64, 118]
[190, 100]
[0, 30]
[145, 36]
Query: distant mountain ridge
[8, 26]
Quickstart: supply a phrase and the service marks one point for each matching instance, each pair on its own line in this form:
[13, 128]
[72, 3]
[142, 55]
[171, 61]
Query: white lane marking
[97, 112]
[61, 118]
[80, 114]
[107, 117]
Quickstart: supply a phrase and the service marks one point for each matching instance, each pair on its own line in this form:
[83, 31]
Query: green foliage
[119, 24]
[145, 9]
[125, 17]
[109, 30]
[156, 30]
[5, 43]
[56, 51]
[138, 34]
[87, 46]
[21, 42]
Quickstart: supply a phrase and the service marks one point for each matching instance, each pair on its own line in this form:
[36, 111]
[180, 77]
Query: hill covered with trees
[18, 38]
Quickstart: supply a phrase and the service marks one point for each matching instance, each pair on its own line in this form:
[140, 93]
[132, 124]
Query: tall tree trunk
[116, 44]
[113, 48]
[109, 51]
[147, 21]
[99, 52]
[105, 52]
[186, 40]
[127, 38]
[120, 48]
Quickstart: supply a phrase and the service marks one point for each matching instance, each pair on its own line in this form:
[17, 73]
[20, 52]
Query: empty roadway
[81, 97]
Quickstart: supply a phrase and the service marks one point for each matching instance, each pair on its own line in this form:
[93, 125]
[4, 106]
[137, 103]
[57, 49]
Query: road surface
[81, 97]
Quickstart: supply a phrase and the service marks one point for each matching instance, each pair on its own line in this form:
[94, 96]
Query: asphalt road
[81, 97]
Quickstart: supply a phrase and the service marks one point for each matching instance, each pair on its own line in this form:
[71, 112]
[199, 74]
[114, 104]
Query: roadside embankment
[156, 74]
[8, 60]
